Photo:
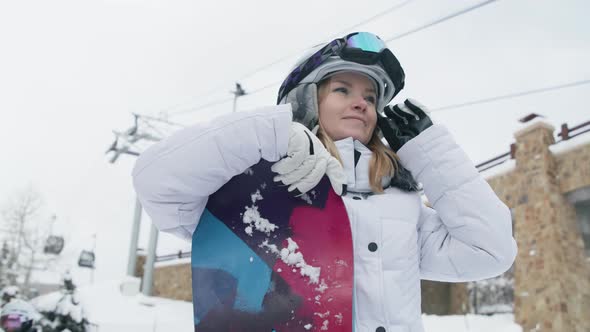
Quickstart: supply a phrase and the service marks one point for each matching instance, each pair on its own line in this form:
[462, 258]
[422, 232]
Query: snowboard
[265, 260]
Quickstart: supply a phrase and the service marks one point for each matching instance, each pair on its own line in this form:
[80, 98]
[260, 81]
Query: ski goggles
[360, 47]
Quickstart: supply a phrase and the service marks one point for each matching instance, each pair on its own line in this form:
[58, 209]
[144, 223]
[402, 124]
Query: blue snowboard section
[222, 278]
[234, 285]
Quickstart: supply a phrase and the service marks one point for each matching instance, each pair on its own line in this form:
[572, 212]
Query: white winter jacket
[467, 235]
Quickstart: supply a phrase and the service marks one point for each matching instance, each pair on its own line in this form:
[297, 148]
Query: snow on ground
[105, 306]
[471, 323]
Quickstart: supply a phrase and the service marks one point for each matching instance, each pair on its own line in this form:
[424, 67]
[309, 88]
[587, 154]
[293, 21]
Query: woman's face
[347, 107]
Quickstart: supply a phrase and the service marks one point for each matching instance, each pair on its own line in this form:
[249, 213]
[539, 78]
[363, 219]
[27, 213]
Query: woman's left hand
[403, 122]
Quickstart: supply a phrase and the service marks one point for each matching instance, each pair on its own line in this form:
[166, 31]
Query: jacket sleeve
[174, 178]
[467, 235]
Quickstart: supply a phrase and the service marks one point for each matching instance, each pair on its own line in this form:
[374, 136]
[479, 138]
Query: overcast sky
[72, 71]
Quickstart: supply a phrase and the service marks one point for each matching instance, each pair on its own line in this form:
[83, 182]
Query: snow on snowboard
[264, 260]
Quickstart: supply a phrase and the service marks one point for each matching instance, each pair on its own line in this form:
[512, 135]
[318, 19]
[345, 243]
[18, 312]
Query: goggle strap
[363, 53]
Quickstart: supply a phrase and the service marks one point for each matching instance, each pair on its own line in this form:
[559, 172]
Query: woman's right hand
[306, 162]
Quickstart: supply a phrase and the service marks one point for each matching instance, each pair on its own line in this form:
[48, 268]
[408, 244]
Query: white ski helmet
[18, 316]
[359, 52]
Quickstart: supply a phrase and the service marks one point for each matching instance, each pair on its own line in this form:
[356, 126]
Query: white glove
[306, 163]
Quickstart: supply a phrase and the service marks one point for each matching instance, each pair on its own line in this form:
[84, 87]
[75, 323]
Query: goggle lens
[365, 41]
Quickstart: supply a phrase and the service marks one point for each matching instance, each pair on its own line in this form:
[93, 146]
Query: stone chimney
[551, 279]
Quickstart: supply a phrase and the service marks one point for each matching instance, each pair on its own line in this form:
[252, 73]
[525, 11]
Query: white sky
[72, 71]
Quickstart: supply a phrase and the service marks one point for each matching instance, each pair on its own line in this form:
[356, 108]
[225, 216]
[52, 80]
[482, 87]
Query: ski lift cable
[290, 55]
[265, 87]
[165, 131]
[374, 17]
[158, 131]
[198, 108]
[396, 37]
[440, 20]
[484, 100]
[126, 148]
[511, 95]
[147, 117]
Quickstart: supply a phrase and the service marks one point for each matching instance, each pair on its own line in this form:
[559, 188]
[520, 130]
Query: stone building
[545, 181]
[172, 277]
[546, 184]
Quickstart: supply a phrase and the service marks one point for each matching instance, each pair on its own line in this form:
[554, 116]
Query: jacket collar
[355, 158]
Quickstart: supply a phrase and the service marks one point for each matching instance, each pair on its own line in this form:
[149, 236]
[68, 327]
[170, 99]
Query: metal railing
[565, 134]
[497, 160]
[169, 257]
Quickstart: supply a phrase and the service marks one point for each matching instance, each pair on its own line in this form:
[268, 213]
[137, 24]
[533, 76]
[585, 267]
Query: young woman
[330, 119]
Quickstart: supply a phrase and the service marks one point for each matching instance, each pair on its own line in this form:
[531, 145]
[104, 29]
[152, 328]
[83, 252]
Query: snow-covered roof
[533, 124]
[570, 144]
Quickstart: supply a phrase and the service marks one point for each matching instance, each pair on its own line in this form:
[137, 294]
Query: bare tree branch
[25, 234]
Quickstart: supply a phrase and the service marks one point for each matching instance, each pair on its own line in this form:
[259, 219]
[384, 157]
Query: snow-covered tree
[66, 313]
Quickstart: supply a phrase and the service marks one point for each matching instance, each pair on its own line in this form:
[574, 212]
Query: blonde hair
[384, 161]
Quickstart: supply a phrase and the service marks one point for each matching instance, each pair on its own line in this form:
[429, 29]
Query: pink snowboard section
[325, 240]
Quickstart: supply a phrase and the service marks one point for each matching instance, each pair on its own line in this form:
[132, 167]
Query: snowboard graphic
[264, 260]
